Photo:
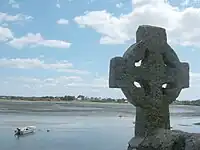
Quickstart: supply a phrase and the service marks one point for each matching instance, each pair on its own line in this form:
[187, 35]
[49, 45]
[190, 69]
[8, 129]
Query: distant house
[80, 97]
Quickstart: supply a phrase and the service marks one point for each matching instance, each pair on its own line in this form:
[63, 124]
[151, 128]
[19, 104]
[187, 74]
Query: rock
[184, 125]
[198, 123]
[134, 142]
[192, 142]
[120, 116]
[163, 140]
[171, 140]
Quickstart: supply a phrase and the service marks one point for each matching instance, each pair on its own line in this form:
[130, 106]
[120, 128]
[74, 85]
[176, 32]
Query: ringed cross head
[161, 75]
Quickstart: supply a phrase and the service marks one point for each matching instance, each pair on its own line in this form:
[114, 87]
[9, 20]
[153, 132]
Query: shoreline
[78, 102]
[80, 108]
[73, 108]
[62, 101]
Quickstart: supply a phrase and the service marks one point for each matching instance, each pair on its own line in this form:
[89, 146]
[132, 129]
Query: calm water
[75, 133]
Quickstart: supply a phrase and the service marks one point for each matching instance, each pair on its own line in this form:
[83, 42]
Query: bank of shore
[77, 108]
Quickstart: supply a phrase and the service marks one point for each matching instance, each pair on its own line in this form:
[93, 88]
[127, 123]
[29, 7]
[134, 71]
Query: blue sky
[53, 47]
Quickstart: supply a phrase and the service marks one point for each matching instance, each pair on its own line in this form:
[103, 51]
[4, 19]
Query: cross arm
[179, 76]
[122, 73]
[117, 73]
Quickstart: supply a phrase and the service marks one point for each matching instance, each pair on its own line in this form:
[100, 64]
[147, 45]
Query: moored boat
[25, 130]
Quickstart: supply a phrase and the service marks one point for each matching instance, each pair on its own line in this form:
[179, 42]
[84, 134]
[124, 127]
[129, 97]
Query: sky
[64, 47]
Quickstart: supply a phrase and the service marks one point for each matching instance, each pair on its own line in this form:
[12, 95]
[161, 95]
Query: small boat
[25, 130]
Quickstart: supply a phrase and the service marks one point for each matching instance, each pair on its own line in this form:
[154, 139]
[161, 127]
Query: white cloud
[75, 85]
[194, 79]
[179, 24]
[98, 82]
[5, 34]
[104, 23]
[101, 82]
[111, 40]
[101, 85]
[4, 17]
[195, 75]
[13, 3]
[35, 63]
[37, 86]
[56, 86]
[58, 4]
[191, 93]
[73, 71]
[34, 40]
[29, 63]
[90, 1]
[41, 56]
[119, 5]
[31, 39]
[62, 21]
[43, 81]
[186, 3]
[4, 25]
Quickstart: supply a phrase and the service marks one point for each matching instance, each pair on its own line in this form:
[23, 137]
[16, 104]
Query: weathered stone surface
[171, 140]
[146, 31]
[159, 66]
[134, 142]
[192, 142]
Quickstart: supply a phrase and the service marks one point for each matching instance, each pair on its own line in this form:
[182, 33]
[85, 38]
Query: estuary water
[82, 132]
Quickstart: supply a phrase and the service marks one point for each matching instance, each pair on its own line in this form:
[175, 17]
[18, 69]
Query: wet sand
[78, 108]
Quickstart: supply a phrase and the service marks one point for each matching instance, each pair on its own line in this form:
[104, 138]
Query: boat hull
[25, 130]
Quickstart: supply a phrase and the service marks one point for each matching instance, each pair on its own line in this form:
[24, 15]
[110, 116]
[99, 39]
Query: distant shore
[83, 99]
[66, 98]
[62, 101]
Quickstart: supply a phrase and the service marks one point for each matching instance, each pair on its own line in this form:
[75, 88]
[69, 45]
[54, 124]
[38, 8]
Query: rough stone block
[159, 65]
[117, 73]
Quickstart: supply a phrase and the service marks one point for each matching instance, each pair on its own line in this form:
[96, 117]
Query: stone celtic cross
[161, 77]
